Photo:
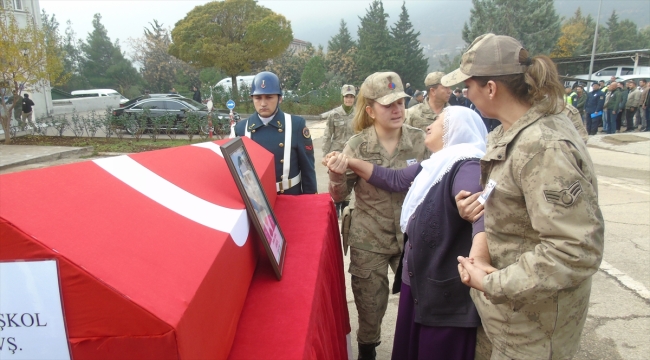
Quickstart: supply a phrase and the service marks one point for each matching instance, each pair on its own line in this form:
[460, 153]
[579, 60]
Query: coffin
[154, 253]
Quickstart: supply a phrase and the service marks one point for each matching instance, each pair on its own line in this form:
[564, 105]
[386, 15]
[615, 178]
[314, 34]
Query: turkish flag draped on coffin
[154, 249]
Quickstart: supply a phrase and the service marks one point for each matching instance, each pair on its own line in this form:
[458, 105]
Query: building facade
[24, 11]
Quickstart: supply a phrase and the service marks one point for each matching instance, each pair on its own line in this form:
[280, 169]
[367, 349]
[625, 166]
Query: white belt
[286, 183]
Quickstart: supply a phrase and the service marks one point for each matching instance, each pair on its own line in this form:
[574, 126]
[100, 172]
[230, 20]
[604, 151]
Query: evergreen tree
[341, 41]
[374, 52]
[313, 76]
[72, 61]
[411, 64]
[620, 36]
[534, 23]
[103, 63]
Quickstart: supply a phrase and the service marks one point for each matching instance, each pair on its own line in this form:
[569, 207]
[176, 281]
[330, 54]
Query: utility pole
[593, 48]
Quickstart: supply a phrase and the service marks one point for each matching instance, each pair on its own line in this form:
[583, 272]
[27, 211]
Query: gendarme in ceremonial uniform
[284, 135]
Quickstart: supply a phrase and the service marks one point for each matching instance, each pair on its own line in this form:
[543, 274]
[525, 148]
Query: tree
[230, 35]
[534, 23]
[313, 76]
[342, 64]
[27, 60]
[374, 52]
[103, 62]
[157, 66]
[289, 67]
[72, 61]
[54, 42]
[621, 36]
[341, 41]
[411, 64]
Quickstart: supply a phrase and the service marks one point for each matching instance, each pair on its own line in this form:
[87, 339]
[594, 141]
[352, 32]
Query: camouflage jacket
[375, 220]
[576, 119]
[337, 130]
[421, 115]
[545, 234]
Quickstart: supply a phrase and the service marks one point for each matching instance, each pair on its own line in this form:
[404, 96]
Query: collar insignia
[279, 123]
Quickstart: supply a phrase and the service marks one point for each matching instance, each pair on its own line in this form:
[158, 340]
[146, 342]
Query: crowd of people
[493, 230]
[612, 105]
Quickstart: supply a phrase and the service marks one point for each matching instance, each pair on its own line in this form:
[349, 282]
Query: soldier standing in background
[339, 130]
[424, 114]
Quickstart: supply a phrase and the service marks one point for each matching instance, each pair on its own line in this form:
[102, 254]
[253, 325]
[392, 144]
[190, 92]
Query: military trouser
[370, 288]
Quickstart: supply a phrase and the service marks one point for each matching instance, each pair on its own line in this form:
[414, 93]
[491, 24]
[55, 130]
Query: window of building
[18, 4]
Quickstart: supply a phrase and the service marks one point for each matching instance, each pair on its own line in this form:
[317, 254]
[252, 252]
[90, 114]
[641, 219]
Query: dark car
[179, 107]
[141, 97]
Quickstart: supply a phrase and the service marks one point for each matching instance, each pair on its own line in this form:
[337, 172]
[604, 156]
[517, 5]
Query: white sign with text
[31, 313]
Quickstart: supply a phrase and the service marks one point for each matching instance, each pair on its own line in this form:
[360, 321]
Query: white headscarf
[463, 137]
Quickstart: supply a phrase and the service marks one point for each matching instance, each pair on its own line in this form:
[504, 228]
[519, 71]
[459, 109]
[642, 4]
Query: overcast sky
[311, 20]
[127, 18]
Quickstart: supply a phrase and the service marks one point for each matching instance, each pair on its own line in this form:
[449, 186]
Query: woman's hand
[470, 274]
[327, 157]
[337, 163]
[468, 206]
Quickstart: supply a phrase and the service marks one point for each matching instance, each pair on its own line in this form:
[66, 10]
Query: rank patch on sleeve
[305, 133]
[564, 197]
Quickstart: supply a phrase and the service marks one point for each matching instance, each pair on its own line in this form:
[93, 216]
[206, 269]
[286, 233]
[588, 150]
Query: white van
[99, 93]
[620, 72]
[226, 83]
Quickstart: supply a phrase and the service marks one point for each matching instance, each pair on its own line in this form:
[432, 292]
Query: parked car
[133, 101]
[179, 106]
[617, 71]
[99, 93]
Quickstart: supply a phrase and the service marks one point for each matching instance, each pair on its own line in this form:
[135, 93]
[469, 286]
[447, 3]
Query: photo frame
[257, 204]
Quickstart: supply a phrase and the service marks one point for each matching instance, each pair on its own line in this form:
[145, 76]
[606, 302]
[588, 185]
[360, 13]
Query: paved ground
[619, 315]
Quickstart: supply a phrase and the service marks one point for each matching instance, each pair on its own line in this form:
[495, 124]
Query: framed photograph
[257, 204]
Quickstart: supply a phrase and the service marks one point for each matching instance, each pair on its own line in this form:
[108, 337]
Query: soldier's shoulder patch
[305, 132]
[564, 197]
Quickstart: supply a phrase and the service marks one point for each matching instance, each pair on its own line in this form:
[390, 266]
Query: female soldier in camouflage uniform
[543, 224]
[375, 238]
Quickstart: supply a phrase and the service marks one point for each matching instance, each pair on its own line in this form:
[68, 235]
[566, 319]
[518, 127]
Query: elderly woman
[436, 316]
[543, 224]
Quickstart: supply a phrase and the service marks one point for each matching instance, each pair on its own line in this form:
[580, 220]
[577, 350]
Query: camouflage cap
[348, 90]
[383, 87]
[488, 55]
[433, 78]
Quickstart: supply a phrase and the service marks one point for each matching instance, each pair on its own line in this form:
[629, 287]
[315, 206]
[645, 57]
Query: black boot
[367, 351]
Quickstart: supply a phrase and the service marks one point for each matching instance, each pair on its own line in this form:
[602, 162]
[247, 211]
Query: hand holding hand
[470, 274]
[327, 157]
[337, 163]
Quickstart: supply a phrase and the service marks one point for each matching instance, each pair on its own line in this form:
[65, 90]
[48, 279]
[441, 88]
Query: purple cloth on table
[414, 341]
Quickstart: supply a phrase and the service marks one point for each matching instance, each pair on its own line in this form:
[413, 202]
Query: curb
[72, 153]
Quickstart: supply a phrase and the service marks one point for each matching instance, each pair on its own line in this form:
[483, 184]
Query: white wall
[99, 104]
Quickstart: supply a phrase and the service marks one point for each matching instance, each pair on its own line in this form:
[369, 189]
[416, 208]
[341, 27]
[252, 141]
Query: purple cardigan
[436, 236]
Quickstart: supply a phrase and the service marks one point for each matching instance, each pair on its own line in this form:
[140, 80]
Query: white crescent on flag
[231, 221]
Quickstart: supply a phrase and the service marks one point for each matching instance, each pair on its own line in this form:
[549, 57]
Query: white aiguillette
[31, 313]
